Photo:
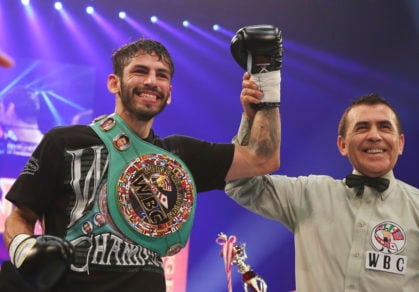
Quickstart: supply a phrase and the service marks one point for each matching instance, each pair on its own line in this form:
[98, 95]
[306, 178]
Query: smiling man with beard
[145, 188]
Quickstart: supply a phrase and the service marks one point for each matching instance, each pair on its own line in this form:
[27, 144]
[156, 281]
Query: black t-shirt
[71, 162]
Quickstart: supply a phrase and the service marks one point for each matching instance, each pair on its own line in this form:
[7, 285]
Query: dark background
[335, 50]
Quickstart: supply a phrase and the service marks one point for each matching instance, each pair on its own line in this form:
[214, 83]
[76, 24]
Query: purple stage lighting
[122, 14]
[90, 10]
[58, 5]
[154, 19]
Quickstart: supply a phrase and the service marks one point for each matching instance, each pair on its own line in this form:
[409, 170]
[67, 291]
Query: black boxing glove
[41, 260]
[258, 50]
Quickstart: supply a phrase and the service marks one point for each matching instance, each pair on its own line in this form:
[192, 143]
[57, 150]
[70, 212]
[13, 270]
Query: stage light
[154, 19]
[58, 5]
[25, 2]
[90, 10]
[185, 23]
[215, 27]
[122, 14]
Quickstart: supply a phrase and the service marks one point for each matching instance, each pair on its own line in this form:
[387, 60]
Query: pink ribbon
[228, 255]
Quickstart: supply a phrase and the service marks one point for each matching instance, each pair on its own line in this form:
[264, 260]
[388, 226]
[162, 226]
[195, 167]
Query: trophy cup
[234, 254]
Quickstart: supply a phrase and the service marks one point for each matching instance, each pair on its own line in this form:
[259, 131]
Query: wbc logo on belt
[151, 191]
[155, 195]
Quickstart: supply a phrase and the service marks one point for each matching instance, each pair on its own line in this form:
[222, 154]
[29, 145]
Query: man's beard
[127, 98]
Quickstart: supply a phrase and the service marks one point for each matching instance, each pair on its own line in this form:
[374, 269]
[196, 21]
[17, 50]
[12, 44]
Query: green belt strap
[151, 192]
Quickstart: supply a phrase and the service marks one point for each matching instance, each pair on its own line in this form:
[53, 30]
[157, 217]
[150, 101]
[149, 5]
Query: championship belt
[150, 191]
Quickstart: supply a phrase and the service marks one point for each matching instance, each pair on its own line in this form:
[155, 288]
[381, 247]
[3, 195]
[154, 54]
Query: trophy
[234, 254]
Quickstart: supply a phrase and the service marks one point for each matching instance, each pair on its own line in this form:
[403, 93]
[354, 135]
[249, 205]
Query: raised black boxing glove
[41, 260]
[258, 48]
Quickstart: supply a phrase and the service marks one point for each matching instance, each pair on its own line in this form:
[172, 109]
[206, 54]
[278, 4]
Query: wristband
[270, 84]
[19, 248]
[266, 105]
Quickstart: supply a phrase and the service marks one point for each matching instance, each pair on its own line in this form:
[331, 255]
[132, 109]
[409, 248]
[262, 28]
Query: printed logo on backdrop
[388, 240]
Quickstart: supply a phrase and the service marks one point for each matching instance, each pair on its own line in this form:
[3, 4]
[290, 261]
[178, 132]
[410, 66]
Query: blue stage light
[90, 10]
[58, 5]
[122, 14]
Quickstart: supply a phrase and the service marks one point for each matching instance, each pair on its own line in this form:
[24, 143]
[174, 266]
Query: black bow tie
[359, 181]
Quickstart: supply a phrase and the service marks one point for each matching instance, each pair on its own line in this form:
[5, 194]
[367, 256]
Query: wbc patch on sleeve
[388, 240]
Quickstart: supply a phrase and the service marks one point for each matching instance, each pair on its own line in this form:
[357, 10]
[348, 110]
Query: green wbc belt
[151, 193]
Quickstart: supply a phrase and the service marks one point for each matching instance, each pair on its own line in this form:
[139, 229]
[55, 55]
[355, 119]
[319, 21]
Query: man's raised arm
[258, 49]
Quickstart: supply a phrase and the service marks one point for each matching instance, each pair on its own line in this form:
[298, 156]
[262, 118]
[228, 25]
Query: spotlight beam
[20, 77]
